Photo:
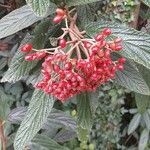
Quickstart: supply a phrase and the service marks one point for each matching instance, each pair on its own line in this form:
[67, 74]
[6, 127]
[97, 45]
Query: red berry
[68, 86]
[68, 66]
[118, 48]
[87, 44]
[62, 43]
[40, 55]
[100, 53]
[106, 31]
[122, 60]
[95, 49]
[58, 19]
[99, 37]
[40, 84]
[60, 12]
[73, 79]
[112, 46]
[107, 53]
[120, 67]
[114, 68]
[50, 90]
[69, 75]
[102, 43]
[30, 57]
[56, 68]
[26, 48]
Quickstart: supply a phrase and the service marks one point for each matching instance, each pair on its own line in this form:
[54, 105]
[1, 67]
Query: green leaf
[93, 97]
[145, 73]
[136, 44]
[131, 78]
[84, 111]
[40, 7]
[40, 34]
[85, 14]
[65, 135]
[80, 2]
[134, 123]
[17, 20]
[86, 107]
[147, 2]
[142, 102]
[17, 115]
[47, 143]
[146, 119]
[19, 67]
[38, 111]
[143, 139]
[34, 77]
[3, 63]
[15, 89]
[57, 117]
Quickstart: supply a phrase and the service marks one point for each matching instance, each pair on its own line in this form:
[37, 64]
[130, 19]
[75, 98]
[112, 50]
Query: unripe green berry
[91, 147]
[74, 113]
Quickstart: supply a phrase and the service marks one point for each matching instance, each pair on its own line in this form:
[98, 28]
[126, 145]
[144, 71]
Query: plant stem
[84, 50]
[69, 53]
[78, 52]
[5, 6]
[2, 136]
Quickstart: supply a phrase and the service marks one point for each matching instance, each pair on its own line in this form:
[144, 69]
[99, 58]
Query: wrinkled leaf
[3, 63]
[40, 34]
[85, 14]
[17, 115]
[146, 119]
[143, 139]
[80, 2]
[57, 117]
[17, 20]
[40, 7]
[47, 143]
[65, 135]
[142, 102]
[134, 123]
[131, 78]
[38, 111]
[84, 111]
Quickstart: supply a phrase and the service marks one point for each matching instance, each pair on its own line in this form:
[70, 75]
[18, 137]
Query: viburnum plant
[78, 64]
[70, 54]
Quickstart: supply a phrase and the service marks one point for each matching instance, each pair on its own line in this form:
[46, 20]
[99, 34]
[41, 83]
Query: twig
[5, 6]
[2, 136]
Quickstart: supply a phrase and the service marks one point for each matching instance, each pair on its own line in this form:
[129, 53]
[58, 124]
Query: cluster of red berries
[65, 78]
[64, 75]
[33, 56]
